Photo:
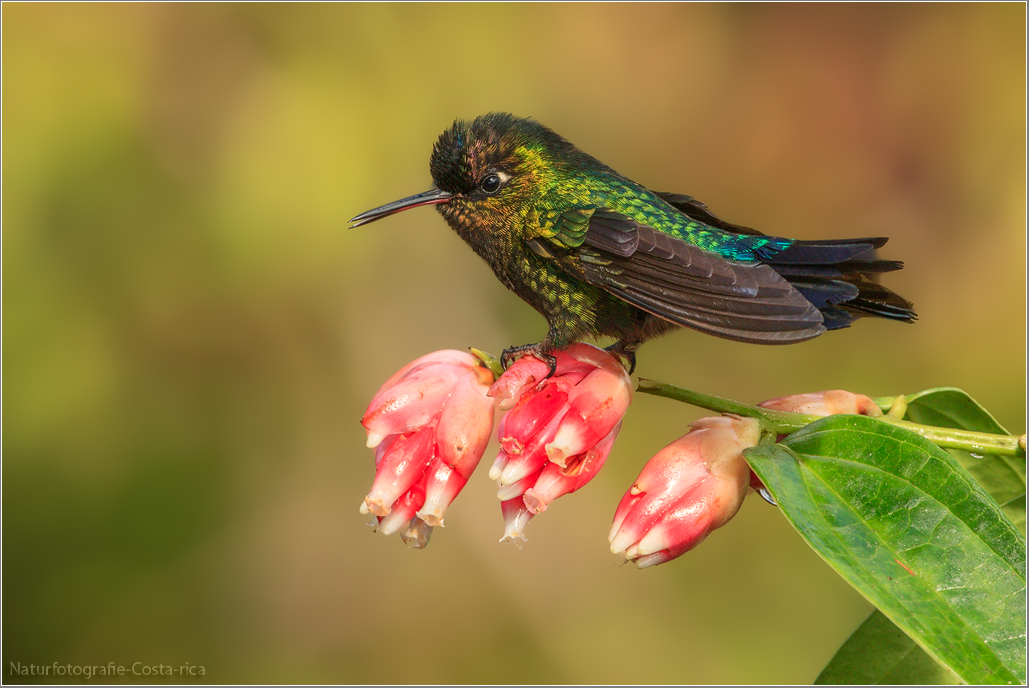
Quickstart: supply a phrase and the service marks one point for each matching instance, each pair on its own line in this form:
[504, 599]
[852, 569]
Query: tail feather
[839, 270]
[851, 294]
[828, 252]
[841, 285]
[876, 300]
[824, 293]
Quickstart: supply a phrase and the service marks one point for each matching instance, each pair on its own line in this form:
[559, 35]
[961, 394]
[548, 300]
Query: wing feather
[682, 283]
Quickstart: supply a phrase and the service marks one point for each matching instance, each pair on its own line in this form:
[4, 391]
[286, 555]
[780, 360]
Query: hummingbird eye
[490, 183]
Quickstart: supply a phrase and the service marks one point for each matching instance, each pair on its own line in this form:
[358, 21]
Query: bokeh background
[191, 332]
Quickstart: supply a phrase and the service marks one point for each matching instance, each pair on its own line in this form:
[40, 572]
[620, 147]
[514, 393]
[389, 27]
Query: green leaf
[950, 407]
[913, 532]
[879, 653]
[1015, 509]
[1002, 476]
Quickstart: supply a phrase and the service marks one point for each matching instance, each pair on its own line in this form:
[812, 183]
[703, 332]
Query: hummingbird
[600, 255]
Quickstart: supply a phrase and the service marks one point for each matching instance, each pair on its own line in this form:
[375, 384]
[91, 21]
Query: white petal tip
[392, 524]
[374, 440]
[507, 492]
[614, 531]
[620, 543]
[376, 507]
[434, 518]
[512, 473]
[516, 538]
[650, 560]
[498, 466]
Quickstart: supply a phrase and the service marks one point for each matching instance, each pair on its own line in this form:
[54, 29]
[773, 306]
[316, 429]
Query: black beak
[430, 197]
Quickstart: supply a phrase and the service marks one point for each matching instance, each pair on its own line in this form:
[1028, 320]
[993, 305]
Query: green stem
[780, 422]
[975, 442]
[784, 422]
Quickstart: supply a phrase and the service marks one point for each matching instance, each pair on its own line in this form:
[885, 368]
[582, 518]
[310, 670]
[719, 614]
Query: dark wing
[684, 284]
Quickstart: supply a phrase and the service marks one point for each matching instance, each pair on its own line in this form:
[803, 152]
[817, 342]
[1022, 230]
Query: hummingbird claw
[508, 356]
[626, 352]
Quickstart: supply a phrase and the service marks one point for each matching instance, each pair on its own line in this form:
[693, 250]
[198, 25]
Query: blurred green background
[191, 332]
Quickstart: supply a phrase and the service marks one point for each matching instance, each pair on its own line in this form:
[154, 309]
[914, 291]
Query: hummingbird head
[488, 170]
[494, 166]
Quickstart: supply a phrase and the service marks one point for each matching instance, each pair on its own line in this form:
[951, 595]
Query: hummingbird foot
[508, 356]
[626, 351]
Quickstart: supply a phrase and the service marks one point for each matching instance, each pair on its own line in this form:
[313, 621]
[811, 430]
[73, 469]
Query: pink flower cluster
[431, 422]
[558, 431]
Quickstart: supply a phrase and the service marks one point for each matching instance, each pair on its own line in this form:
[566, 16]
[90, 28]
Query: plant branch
[784, 422]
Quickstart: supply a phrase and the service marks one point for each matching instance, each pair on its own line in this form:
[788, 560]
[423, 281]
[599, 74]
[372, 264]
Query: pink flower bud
[380, 451]
[446, 356]
[825, 404]
[596, 405]
[516, 517]
[531, 457]
[401, 467]
[404, 509]
[559, 431]
[415, 398]
[430, 424]
[691, 487]
[518, 488]
[442, 485]
[588, 394]
[523, 374]
[466, 421]
[528, 371]
[556, 481]
[531, 414]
